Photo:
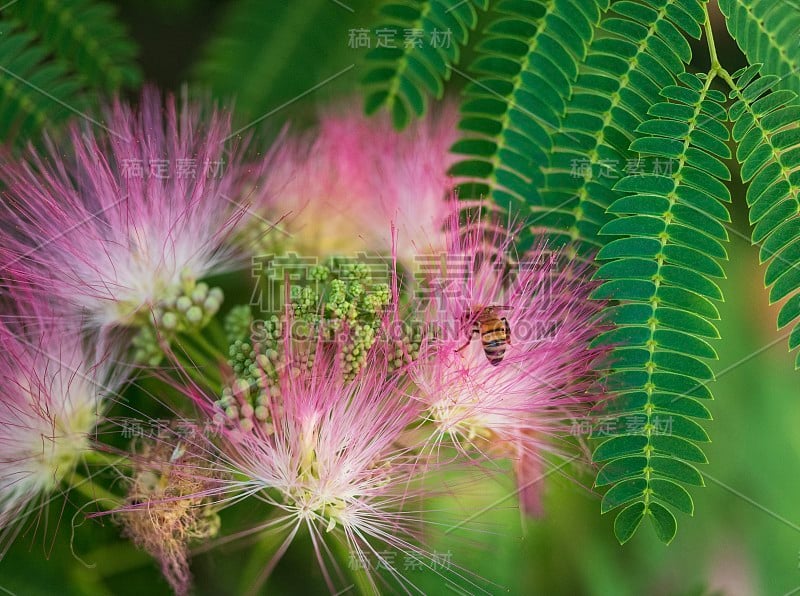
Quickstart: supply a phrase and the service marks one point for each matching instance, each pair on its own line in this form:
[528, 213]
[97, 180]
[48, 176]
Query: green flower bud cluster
[377, 300]
[255, 366]
[354, 350]
[343, 299]
[305, 305]
[246, 406]
[146, 349]
[354, 271]
[238, 323]
[250, 363]
[186, 307]
[319, 273]
[406, 350]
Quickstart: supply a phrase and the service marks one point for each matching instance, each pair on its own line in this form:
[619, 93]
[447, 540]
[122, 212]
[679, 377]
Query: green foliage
[639, 51]
[263, 59]
[86, 35]
[768, 31]
[765, 128]
[662, 269]
[57, 56]
[24, 109]
[401, 76]
[527, 64]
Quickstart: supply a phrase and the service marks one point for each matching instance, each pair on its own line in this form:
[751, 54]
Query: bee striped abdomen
[494, 339]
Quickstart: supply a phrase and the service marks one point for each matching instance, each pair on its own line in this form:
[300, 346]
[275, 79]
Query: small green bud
[194, 315]
[262, 413]
[200, 292]
[183, 303]
[169, 321]
[211, 305]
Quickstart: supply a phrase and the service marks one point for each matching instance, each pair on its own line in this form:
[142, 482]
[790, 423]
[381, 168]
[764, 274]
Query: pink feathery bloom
[52, 400]
[344, 184]
[332, 458]
[122, 214]
[509, 364]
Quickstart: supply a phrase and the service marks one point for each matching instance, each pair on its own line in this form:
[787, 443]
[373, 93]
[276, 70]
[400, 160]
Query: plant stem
[716, 67]
[91, 490]
[217, 332]
[260, 556]
[211, 349]
[359, 574]
[712, 48]
[106, 459]
[197, 364]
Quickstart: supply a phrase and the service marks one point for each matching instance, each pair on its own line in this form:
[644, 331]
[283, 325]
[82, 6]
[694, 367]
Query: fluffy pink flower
[509, 366]
[346, 183]
[119, 217]
[52, 400]
[330, 457]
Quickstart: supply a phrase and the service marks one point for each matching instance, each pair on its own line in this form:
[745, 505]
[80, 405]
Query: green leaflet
[767, 32]
[86, 35]
[664, 279]
[400, 77]
[23, 110]
[642, 49]
[523, 78]
[57, 56]
[764, 126]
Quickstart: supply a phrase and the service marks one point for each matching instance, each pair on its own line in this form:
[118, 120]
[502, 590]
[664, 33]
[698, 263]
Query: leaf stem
[716, 67]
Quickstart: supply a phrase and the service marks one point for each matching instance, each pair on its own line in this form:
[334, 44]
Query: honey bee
[494, 330]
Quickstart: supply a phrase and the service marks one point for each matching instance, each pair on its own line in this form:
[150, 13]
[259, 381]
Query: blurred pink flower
[53, 398]
[345, 184]
[509, 367]
[110, 223]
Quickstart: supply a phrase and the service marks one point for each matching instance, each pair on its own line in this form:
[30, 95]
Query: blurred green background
[272, 56]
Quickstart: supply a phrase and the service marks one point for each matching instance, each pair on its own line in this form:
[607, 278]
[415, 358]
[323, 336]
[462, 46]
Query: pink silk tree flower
[331, 458]
[125, 215]
[509, 365]
[347, 182]
[52, 400]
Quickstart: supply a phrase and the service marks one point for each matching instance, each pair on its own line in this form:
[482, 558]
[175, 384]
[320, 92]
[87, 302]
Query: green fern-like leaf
[524, 74]
[768, 31]
[400, 76]
[661, 270]
[639, 51]
[765, 127]
[86, 35]
[34, 90]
